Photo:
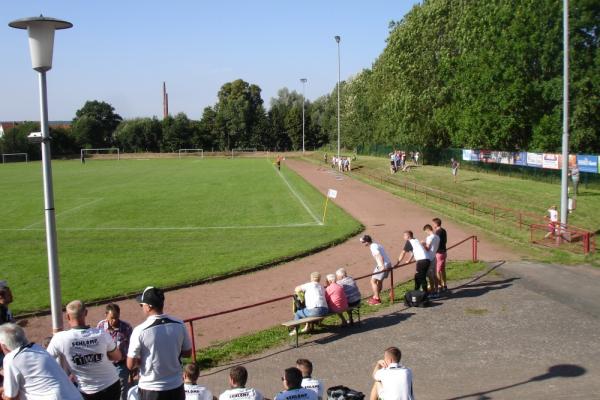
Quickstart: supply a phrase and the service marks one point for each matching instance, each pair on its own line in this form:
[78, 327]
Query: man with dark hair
[308, 382]
[29, 371]
[238, 376]
[292, 383]
[440, 255]
[416, 250]
[393, 381]
[431, 244]
[120, 331]
[89, 353]
[156, 347]
[193, 391]
[381, 270]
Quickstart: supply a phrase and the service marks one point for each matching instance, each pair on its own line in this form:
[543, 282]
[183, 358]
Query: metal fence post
[474, 252]
[193, 341]
[392, 284]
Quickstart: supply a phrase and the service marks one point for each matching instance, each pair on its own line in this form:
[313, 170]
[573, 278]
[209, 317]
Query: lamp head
[41, 38]
[337, 38]
[303, 80]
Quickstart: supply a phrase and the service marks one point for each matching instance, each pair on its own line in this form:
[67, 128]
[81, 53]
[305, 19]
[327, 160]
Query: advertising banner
[485, 156]
[535, 160]
[520, 158]
[572, 160]
[466, 154]
[550, 161]
[587, 163]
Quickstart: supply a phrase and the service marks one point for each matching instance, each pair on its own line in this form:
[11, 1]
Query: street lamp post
[337, 39]
[41, 45]
[564, 180]
[303, 80]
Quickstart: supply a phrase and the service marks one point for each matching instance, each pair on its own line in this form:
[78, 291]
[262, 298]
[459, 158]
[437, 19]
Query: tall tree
[95, 123]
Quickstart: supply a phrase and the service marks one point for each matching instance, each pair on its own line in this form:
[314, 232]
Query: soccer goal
[243, 152]
[109, 153]
[14, 157]
[191, 152]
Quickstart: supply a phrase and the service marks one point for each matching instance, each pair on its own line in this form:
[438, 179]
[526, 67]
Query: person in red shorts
[440, 255]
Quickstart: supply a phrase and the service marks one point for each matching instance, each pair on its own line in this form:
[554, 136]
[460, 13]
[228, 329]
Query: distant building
[6, 126]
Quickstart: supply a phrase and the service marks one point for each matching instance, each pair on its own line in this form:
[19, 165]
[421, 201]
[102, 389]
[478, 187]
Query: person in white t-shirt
[238, 376]
[418, 253]
[381, 270]
[314, 299]
[431, 244]
[29, 371]
[393, 381]
[292, 383]
[156, 347]
[193, 391]
[89, 353]
[308, 382]
[552, 221]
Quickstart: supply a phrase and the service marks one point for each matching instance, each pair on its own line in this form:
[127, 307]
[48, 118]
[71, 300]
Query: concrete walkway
[511, 334]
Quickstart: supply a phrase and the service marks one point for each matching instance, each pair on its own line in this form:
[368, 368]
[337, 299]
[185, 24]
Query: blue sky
[122, 51]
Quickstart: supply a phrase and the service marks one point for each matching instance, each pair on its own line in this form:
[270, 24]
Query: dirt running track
[384, 216]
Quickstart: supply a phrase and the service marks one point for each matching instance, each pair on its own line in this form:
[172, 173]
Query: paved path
[385, 217]
[507, 335]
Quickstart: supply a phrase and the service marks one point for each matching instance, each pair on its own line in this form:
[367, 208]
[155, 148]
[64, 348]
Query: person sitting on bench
[314, 299]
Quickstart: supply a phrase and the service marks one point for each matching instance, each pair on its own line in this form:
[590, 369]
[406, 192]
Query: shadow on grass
[555, 371]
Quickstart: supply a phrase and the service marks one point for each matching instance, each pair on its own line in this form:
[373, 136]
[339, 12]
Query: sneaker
[373, 301]
[433, 295]
[293, 333]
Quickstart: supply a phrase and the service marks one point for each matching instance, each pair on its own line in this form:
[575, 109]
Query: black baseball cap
[152, 296]
[366, 239]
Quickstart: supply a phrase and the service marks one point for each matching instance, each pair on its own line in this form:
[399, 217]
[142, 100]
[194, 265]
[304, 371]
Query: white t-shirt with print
[84, 350]
[31, 373]
[313, 384]
[241, 394]
[396, 382]
[314, 295]
[196, 392]
[296, 394]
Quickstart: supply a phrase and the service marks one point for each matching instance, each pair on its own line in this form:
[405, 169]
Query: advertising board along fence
[190, 321]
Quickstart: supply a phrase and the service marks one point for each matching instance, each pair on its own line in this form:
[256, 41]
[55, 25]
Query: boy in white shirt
[193, 391]
[308, 382]
[238, 376]
[418, 253]
[432, 242]
[393, 381]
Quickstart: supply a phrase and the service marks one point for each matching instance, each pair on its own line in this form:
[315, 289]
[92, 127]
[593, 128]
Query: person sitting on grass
[308, 382]
[393, 381]
[238, 376]
[336, 298]
[193, 391]
[314, 298]
[292, 383]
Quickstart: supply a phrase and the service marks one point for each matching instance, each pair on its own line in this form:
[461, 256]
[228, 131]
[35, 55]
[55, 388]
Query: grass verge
[244, 346]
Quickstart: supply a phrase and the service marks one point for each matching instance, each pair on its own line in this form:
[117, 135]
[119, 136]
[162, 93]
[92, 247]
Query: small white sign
[332, 194]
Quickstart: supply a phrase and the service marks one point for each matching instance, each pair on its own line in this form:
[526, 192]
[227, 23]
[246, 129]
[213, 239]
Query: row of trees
[474, 74]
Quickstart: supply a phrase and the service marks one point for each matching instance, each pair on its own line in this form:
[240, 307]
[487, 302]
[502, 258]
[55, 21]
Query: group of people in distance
[342, 163]
[340, 294]
[98, 362]
[429, 254]
[399, 159]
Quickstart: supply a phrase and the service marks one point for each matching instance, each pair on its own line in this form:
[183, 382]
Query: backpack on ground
[344, 393]
[416, 298]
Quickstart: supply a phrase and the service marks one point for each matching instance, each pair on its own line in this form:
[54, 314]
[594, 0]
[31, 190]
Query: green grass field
[123, 225]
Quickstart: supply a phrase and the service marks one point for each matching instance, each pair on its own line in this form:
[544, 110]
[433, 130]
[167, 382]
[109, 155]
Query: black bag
[416, 298]
[298, 303]
[343, 393]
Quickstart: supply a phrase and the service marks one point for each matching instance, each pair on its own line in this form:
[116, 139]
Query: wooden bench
[295, 323]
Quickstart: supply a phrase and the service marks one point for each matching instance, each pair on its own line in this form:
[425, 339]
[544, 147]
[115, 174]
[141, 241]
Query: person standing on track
[454, 166]
[382, 268]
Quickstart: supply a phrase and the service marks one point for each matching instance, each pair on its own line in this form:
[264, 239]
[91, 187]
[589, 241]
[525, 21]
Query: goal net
[110, 153]
[243, 152]
[191, 153]
[14, 157]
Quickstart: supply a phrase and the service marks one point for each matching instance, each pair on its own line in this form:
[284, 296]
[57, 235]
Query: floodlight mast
[41, 45]
[337, 39]
[303, 80]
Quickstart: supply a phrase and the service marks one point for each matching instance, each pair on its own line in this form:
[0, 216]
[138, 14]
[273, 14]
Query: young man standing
[416, 250]
[238, 376]
[156, 347]
[393, 381]
[381, 269]
[432, 242]
[89, 353]
[440, 255]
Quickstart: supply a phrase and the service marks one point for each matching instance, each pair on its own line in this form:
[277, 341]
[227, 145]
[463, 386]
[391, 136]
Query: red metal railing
[191, 320]
[564, 236]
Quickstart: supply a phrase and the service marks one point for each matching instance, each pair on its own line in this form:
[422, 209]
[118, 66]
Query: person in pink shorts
[440, 255]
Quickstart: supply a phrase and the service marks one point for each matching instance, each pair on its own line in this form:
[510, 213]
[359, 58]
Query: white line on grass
[171, 228]
[312, 214]
[70, 210]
